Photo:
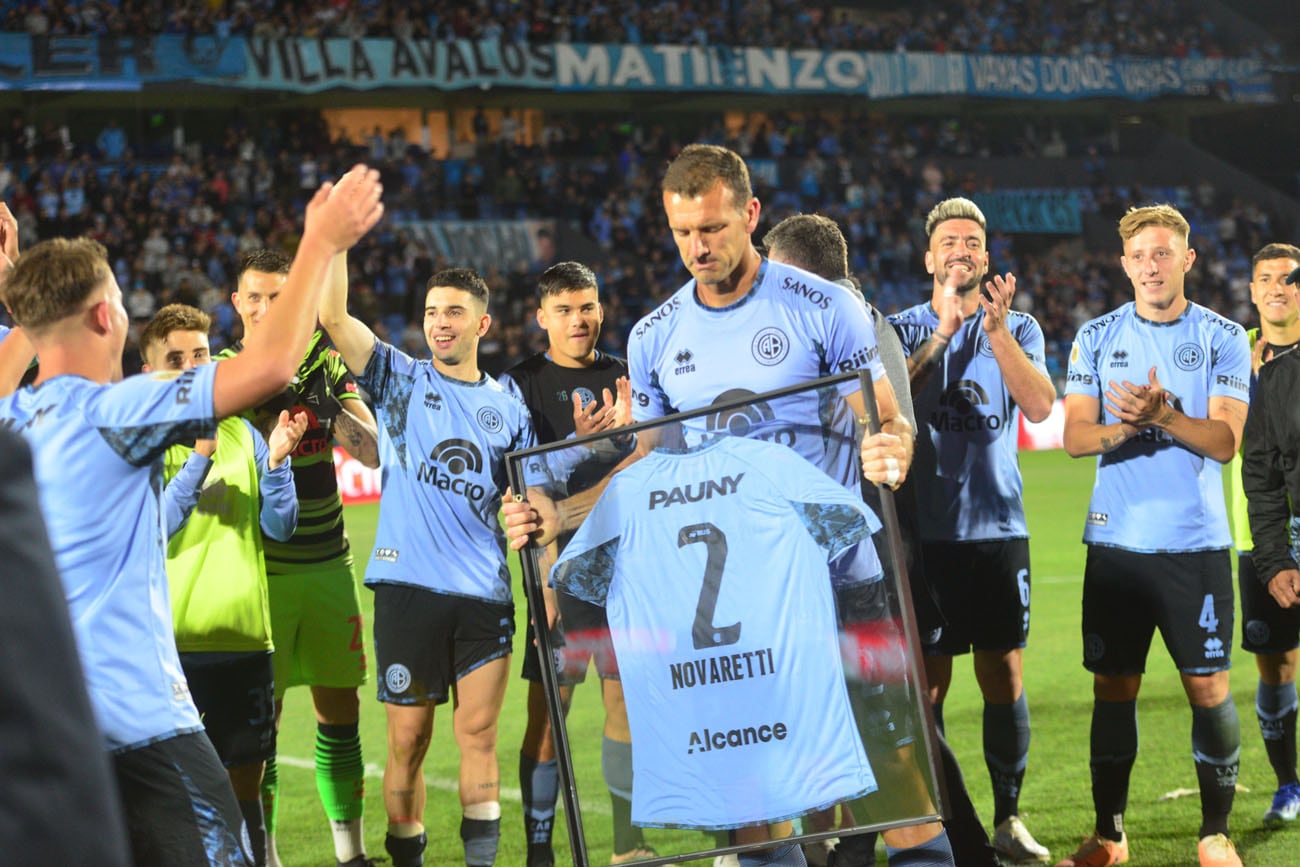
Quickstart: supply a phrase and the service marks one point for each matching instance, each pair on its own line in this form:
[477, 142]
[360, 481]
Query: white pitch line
[442, 784]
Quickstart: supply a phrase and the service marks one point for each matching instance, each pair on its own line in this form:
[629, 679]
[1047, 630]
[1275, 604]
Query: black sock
[406, 851]
[1275, 708]
[1216, 747]
[256, 825]
[1006, 752]
[626, 835]
[1114, 743]
[480, 837]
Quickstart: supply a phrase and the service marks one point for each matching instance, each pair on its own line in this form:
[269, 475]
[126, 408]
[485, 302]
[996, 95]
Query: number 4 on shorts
[1208, 621]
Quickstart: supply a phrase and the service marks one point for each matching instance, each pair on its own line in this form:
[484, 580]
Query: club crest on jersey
[490, 420]
[694, 493]
[983, 347]
[1189, 356]
[683, 359]
[586, 395]
[770, 346]
[457, 457]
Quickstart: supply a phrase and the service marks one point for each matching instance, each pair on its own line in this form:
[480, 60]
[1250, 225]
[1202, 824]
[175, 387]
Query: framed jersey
[755, 614]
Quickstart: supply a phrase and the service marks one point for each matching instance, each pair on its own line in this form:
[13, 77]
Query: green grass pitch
[1056, 803]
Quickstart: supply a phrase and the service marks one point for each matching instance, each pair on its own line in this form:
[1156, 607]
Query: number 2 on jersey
[703, 633]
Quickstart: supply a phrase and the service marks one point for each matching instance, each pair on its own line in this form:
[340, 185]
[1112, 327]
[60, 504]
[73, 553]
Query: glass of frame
[733, 663]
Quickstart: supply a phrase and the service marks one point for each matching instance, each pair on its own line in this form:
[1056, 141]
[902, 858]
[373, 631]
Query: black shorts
[1266, 626]
[426, 641]
[1128, 595]
[180, 809]
[235, 695]
[982, 588]
[580, 635]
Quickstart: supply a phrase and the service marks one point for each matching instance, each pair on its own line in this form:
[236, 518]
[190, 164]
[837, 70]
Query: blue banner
[310, 65]
[115, 62]
[1032, 211]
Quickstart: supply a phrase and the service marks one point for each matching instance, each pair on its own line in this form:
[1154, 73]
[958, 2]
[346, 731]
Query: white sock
[348, 843]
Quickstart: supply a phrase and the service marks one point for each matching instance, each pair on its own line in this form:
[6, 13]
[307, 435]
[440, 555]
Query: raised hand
[285, 437]
[996, 301]
[594, 418]
[340, 213]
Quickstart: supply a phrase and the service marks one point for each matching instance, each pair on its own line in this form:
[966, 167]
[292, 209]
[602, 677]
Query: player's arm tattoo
[1108, 443]
[921, 364]
[358, 438]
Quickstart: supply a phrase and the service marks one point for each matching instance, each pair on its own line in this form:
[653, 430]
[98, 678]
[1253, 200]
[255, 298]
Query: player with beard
[975, 365]
[741, 325]
[561, 387]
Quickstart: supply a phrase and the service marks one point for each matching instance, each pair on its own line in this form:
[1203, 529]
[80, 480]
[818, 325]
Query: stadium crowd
[176, 220]
[1167, 28]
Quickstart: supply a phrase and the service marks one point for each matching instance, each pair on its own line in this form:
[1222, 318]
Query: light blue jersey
[4, 332]
[1153, 494]
[712, 566]
[441, 445]
[967, 468]
[98, 450]
[791, 327]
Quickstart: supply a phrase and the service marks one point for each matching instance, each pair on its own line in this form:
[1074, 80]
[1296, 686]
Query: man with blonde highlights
[97, 445]
[1160, 439]
[975, 367]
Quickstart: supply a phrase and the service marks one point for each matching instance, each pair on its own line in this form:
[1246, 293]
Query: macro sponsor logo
[708, 740]
[449, 460]
[958, 409]
[752, 421]
[811, 294]
[694, 493]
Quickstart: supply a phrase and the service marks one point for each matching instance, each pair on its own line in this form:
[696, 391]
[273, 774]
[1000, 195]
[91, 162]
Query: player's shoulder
[1018, 320]
[804, 292]
[1095, 329]
[495, 392]
[1204, 316]
[528, 368]
[659, 320]
[608, 362]
[917, 314]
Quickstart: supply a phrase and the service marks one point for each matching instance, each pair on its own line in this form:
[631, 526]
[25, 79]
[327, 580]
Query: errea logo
[684, 357]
